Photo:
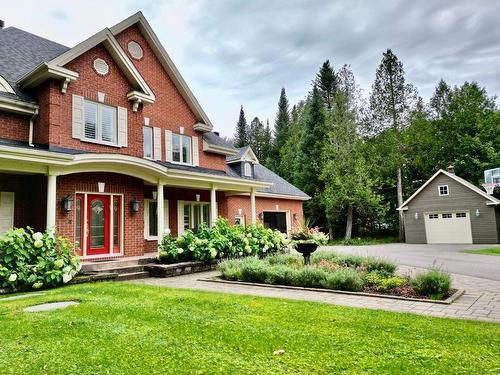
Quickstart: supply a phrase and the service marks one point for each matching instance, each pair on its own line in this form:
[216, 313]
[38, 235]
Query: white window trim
[447, 190]
[166, 222]
[3, 195]
[99, 125]
[180, 214]
[85, 226]
[247, 169]
[180, 143]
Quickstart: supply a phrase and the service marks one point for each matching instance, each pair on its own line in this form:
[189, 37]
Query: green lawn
[122, 328]
[490, 251]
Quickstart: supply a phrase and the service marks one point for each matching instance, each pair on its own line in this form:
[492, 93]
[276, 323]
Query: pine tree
[391, 101]
[241, 136]
[267, 145]
[326, 82]
[281, 126]
[256, 137]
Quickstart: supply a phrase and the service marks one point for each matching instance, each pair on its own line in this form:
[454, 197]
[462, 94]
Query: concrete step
[132, 276]
[90, 266]
[122, 269]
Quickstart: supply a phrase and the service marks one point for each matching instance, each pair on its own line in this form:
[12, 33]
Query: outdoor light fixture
[261, 216]
[67, 203]
[155, 194]
[101, 186]
[477, 212]
[197, 197]
[416, 215]
[295, 216]
[134, 205]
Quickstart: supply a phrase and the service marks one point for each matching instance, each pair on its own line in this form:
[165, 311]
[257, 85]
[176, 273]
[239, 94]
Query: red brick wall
[235, 202]
[170, 111]
[30, 200]
[13, 126]
[130, 187]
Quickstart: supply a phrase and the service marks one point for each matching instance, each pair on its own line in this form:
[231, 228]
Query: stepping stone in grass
[21, 296]
[50, 306]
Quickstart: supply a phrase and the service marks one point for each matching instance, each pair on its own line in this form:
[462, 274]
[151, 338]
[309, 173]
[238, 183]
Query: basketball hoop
[489, 187]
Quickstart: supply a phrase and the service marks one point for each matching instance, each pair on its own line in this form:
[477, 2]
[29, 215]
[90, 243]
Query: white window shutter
[168, 145]
[196, 154]
[77, 117]
[122, 127]
[157, 143]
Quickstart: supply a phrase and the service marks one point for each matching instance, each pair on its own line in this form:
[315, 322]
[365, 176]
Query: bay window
[100, 123]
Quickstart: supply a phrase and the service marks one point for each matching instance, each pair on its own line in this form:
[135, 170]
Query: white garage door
[448, 227]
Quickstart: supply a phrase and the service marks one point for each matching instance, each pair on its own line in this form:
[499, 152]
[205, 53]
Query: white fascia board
[215, 179]
[207, 147]
[17, 106]
[271, 195]
[166, 62]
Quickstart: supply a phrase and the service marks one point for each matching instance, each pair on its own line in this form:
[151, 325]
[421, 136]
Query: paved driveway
[450, 258]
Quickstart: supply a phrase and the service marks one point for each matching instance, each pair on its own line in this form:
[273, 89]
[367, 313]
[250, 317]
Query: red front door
[98, 219]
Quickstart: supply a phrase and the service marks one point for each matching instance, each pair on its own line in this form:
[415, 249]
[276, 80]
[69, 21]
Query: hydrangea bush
[36, 260]
[221, 241]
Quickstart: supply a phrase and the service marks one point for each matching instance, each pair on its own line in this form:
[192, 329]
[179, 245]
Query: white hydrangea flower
[59, 263]
[66, 277]
[180, 250]
[167, 231]
[37, 236]
[37, 285]
[240, 253]
[191, 248]
[38, 244]
[13, 277]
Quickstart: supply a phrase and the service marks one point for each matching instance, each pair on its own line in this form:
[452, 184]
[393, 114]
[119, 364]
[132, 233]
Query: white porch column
[213, 206]
[252, 206]
[160, 212]
[51, 201]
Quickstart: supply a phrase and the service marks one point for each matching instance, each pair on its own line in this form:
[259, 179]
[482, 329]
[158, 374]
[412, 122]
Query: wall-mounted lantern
[101, 186]
[67, 203]
[261, 216]
[134, 205]
[477, 212]
[198, 197]
[416, 215]
[295, 216]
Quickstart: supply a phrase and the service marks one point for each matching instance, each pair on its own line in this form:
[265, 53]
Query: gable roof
[492, 200]
[244, 153]
[21, 52]
[138, 18]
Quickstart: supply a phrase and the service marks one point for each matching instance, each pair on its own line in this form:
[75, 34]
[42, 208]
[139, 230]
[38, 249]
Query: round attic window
[135, 50]
[101, 66]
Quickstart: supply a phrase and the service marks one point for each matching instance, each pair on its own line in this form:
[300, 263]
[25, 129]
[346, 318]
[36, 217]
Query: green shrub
[280, 275]
[308, 277]
[36, 260]
[222, 241]
[362, 263]
[382, 281]
[434, 284]
[343, 279]
[291, 260]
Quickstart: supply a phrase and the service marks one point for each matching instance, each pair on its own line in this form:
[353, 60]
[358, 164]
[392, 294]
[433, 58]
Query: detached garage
[449, 209]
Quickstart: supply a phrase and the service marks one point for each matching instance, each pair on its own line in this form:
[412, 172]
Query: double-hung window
[181, 149]
[100, 123]
[148, 141]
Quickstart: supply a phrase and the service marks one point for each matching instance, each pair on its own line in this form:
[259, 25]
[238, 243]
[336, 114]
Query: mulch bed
[403, 291]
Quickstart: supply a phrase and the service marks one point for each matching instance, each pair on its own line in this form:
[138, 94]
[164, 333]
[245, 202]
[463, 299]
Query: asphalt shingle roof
[237, 156]
[214, 139]
[21, 52]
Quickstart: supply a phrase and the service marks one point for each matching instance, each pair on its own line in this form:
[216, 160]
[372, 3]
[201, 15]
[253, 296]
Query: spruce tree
[281, 126]
[391, 101]
[326, 82]
[241, 136]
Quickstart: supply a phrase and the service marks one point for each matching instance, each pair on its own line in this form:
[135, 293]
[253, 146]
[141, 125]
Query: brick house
[105, 142]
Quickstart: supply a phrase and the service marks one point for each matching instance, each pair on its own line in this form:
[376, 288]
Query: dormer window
[443, 190]
[181, 149]
[248, 170]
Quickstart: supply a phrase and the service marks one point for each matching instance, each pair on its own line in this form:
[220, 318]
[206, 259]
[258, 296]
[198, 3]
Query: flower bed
[222, 241]
[337, 272]
[31, 260]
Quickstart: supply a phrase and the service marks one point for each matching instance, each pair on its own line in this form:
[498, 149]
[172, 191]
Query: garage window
[447, 216]
[460, 214]
[433, 216]
[443, 190]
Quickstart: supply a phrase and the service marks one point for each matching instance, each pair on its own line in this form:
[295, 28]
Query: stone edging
[447, 301]
[184, 268]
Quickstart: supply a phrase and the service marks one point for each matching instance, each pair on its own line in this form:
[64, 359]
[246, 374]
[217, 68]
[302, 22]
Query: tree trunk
[330, 231]
[400, 202]
[348, 227]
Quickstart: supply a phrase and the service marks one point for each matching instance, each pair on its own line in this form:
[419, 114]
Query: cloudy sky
[243, 52]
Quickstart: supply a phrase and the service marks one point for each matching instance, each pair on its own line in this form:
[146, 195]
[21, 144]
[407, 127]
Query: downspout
[30, 137]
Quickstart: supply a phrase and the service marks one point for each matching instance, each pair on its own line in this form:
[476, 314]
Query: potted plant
[306, 240]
